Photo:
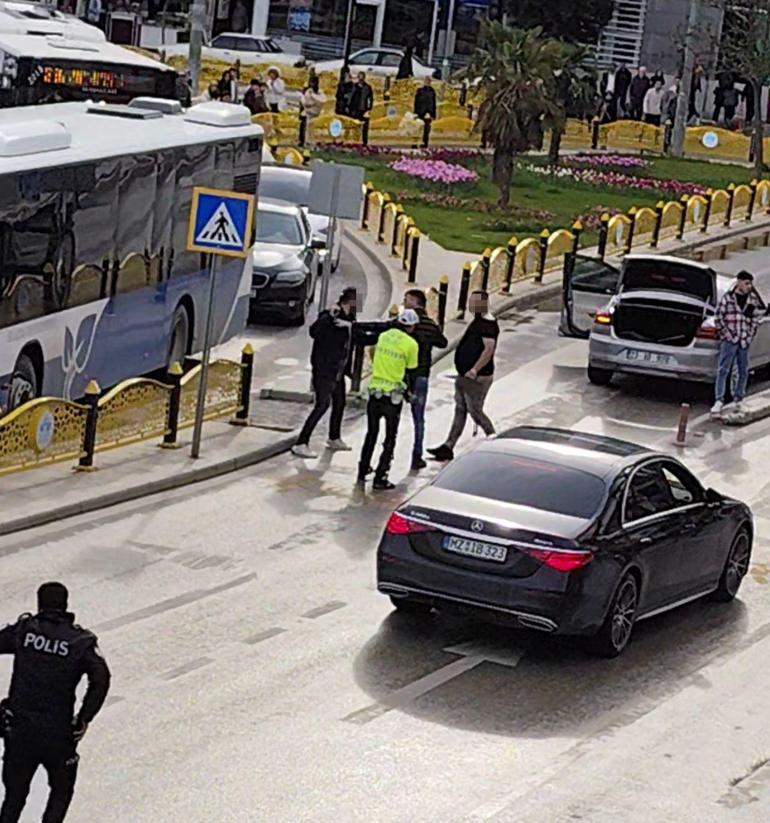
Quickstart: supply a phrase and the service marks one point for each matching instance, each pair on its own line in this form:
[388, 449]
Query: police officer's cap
[52, 597]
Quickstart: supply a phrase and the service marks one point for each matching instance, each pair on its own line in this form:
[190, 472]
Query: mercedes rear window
[523, 481]
[663, 275]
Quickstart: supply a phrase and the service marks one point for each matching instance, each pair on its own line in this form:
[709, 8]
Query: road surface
[258, 675]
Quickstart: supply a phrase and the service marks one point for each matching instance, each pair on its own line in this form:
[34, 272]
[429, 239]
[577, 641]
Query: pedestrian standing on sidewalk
[475, 364]
[737, 320]
[428, 336]
[51, 654]
[653, 104]
[396, 357]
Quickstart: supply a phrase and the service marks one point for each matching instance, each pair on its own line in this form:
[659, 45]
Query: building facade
[651, 33]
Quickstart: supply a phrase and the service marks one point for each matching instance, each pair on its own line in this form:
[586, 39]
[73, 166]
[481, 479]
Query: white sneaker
[338, 445]
[303, 450]
[716, 409]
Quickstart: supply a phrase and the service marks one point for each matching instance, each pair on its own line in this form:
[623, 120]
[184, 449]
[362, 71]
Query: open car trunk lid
[658, 317]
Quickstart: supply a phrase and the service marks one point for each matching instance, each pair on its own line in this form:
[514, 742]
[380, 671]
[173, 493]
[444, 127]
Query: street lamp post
[450, 20]
[685, 83]
[197, 32]
[348, 39]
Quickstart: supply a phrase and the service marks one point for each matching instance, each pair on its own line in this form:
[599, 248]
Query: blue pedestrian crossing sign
[220, 222]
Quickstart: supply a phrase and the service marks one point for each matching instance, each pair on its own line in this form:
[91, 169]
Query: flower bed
[617, 161]
[618, 180]
[434, 171]
[593, 219]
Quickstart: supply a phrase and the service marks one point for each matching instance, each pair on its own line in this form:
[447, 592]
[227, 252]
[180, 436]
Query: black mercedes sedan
[566, 533]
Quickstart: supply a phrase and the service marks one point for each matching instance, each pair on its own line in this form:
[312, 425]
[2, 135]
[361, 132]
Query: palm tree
[515, 71]
[574, 92]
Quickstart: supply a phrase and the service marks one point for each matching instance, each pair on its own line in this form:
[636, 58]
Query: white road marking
[472, 654]
[286, 361]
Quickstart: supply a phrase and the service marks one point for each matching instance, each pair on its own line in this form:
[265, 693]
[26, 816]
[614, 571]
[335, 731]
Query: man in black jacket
[51, 654]
[425, 101]
[428, 336]
[361, 98]
[334, 333]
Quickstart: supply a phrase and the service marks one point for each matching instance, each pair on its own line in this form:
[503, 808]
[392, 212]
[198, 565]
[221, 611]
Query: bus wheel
[180, 334]
[24, 383]
[65, 265]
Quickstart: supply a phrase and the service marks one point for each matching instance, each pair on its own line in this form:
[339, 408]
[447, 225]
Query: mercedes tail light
[398, 524]
[562, 561]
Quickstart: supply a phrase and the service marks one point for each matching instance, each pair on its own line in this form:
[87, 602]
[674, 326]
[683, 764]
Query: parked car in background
[565, 533]
[249, 49]
[652, 316]
[292, 185]
[379, 62]
[284, 262]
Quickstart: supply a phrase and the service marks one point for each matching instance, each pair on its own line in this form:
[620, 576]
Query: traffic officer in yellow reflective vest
[394, 356]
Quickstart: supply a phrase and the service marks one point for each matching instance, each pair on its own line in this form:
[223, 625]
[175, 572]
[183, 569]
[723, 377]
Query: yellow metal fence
[50, 430]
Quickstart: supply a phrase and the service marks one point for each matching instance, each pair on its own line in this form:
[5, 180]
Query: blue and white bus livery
[95, 279]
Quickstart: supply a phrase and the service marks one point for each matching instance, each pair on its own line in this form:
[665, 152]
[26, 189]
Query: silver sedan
[653, 316]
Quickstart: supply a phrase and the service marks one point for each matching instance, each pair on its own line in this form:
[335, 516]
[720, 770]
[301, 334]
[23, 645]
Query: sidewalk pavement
[52, 493]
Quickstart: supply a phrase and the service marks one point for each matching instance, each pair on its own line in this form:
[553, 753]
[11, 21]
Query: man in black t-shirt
[475, 364]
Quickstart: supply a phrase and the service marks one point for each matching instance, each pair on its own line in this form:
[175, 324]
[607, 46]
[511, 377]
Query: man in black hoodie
[38, 722]
[334, 333]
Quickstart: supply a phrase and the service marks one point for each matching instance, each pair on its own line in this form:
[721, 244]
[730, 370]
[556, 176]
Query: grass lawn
[538, 201]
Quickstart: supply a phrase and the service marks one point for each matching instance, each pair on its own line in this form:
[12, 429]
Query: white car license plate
[475, 548]
[647, 356]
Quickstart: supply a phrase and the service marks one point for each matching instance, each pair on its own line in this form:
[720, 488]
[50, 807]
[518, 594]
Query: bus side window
[194, 167]
[246, 163]
[136, 195]
[93, 226]
[163, 218]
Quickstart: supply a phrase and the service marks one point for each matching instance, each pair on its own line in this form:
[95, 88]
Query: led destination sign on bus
[82, 78]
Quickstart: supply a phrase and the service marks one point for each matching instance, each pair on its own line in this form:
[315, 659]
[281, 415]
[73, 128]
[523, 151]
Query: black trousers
[24, 752]
[376, 410]
[327, 391]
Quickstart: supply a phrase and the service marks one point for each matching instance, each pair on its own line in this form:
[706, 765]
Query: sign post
[336, 190]
[220, 225]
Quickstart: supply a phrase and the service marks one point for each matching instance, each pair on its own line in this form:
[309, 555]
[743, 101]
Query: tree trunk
[554, 150]
[759, 129]
[502, 172]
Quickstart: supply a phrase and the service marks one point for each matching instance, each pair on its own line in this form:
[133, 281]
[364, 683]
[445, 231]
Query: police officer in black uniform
[51, 654]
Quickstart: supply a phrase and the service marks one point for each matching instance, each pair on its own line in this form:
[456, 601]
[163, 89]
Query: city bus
[95, 278]
[49, 57]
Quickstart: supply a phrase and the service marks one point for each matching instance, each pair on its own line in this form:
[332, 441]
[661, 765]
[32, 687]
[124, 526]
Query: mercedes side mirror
[713, 498]
[318, 243]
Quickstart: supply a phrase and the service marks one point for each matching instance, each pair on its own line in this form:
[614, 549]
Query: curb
[388, 274]
[756, 407]
[165, 484]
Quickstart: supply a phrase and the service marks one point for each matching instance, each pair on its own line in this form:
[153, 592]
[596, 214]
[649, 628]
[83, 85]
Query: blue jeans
[728, 354]
[419, 401]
